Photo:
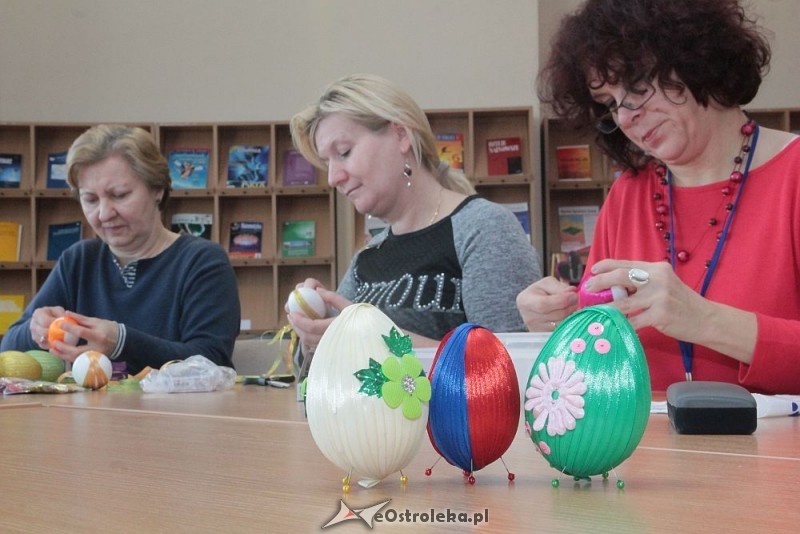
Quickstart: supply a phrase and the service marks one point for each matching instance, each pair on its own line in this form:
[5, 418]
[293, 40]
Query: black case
[711, 408]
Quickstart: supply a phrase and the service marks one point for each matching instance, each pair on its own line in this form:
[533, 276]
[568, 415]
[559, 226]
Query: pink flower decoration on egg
[595, 329]
[577, 346]
[602, 346]
[544, 447]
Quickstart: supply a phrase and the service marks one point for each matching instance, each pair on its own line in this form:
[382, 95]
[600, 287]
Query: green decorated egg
[52, 366]
[587, 399]
[16, 364]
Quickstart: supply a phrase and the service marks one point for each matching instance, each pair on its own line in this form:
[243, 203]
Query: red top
[759, 269]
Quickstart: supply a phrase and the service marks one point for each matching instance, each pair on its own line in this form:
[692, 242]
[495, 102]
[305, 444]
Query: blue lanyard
[687, 349]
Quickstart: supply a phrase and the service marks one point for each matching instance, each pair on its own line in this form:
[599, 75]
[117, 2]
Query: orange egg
[55, 333]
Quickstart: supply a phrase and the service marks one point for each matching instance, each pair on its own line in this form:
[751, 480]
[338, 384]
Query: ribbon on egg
[475, 401]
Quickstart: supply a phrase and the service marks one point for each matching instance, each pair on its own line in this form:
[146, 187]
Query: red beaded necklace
[663, 208]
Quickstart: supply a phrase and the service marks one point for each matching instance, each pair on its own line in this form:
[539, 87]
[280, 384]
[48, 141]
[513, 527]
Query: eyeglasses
[635, 97]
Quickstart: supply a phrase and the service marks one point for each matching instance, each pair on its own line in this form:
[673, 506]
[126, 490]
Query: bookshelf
[477, 127]
[264, 283]
[559, 193]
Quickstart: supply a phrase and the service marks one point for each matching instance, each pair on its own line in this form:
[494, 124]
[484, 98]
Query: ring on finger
[638, 277]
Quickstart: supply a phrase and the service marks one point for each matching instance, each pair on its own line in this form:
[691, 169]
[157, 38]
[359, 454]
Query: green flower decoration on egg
[400, 380]
[407, 385]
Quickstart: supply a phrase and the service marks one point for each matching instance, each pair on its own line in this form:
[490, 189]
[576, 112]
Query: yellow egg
[16, 364]
[92, 369]
[52, 366]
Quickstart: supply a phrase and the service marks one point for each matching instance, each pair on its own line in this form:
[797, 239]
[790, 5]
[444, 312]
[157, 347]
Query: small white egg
[92, 369]
[308, 302]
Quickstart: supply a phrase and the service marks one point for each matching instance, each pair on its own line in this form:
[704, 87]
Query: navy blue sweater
[185, 301]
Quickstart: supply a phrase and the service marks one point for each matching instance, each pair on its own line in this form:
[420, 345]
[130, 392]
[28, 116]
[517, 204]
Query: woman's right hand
[40, 323]
[545, 303]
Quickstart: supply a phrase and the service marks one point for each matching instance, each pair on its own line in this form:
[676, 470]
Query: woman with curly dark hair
[703, 227]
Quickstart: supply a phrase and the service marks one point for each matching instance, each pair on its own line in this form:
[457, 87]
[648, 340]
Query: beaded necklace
[737, 179]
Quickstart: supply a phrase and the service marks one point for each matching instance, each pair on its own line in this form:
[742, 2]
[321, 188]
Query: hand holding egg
[308, 302]
[56, 333]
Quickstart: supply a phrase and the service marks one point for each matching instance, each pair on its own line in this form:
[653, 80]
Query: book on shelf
[569, 266]
[245, 240]
[298, 238]
[11, 308]
[61, 236]
[576, 226]
[57, 170]
[574, 162]
[10, 171]
[248, 165]
[188, 168]
[504, 156]
[373, 226]
[615, 170]
[297, 170]
[196, 224]
[10, 240]
[522, 213]
[450, 147]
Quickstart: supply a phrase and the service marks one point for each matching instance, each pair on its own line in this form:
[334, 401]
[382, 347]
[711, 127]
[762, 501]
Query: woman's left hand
[656, 297]
[99, 334]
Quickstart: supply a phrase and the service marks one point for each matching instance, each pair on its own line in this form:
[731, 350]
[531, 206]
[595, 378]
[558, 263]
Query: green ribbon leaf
[398, 344]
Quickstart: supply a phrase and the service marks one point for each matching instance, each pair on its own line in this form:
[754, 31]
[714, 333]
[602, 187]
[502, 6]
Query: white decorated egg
[308, 302]
[92, 369]
[367, 395]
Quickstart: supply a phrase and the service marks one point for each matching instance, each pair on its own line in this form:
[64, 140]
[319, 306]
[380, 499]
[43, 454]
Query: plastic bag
[195, 373]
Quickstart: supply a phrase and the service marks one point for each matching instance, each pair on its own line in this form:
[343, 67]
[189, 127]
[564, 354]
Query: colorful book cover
[196, 224]
[60, 237]
[57, 171]
[450, 147]
[576, 226]
[504, 156]
[10, 171]
[298, 238]
[10, 240]
[574, 162]
[521, 212]
[373, 226]
[615, 170]
[11, 307]
[188, 168]
[248, 165]
[297, 170]
[245, 239]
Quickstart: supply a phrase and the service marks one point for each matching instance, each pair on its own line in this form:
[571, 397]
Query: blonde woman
[447, 256]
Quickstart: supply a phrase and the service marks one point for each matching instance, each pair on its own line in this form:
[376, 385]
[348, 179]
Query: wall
[245, 60]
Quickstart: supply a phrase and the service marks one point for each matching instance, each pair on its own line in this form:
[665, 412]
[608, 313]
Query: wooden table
[245, 461]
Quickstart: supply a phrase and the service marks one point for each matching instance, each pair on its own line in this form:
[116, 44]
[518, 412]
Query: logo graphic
[365, 514]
